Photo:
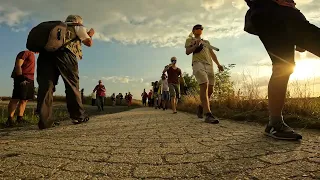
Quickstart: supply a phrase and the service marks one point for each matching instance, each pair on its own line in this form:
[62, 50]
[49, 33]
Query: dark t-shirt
[173, 75]
[28, 65]
[289, 3]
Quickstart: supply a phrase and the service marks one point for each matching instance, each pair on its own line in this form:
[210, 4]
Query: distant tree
[223, 83]
[191, 83]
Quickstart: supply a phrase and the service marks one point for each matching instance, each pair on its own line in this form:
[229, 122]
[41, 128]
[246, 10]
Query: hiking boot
[21, 121]
[211, 119]
[281, 131]
[80, 120]
[9, 122]
[200, 112]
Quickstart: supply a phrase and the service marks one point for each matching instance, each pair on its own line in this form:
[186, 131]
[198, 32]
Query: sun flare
[306, 69]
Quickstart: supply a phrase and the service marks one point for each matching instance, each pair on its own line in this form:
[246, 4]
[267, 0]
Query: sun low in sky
[306, 69]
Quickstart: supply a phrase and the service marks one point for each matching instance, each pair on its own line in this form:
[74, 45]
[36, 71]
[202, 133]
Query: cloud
[13, 17]
[122, 79]
[84, 77]
[164, 23]
[158, 24]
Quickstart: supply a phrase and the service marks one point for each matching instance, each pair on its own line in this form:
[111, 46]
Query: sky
[135, 39]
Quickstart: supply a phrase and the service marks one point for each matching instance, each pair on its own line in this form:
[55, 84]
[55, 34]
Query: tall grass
[249, 102]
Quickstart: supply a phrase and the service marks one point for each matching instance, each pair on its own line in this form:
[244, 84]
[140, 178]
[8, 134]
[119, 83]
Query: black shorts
[280, 28]
[23, 92]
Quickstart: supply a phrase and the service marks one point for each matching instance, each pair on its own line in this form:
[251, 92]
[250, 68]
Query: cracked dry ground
[152, 144]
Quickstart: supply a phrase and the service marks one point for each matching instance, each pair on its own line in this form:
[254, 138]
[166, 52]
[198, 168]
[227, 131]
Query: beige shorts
[203, 73]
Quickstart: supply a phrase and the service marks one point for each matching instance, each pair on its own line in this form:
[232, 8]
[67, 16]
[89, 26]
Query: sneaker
[211, 119]
[282, 131]
[80, 120]
[200, 112]
[21, 121]
[9, 123]
[76, 121]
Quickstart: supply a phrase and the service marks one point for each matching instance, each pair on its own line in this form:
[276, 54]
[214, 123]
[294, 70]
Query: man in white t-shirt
[202, 65]
[64, 62]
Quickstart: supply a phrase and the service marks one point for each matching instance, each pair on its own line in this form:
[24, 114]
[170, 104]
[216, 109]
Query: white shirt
[165, 85]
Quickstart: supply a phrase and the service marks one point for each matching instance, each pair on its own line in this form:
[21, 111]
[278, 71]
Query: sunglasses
[198, 28]
[174, 61]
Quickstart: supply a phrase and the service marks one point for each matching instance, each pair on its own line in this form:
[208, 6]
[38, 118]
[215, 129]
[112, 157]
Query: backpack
[49, 36]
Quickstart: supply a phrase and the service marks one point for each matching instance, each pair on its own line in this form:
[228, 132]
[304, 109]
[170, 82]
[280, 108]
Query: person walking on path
[173, 80]
[64, 62]
[150, 98]
[113, 99]
[23, 86]
[129, 99]
[144, 96]
[93, 98]
[202, 66]
[121, 98]
[101, 94]
[282, 29]
[155, 94]
[164, 91]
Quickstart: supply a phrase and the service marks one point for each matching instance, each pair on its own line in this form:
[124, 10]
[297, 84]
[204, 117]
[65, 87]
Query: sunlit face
[197, 31]
[305, 69]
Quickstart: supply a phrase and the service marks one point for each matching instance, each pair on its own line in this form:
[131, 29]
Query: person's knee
[23, 102]
[203, 87]
[282, 70]
[14, 101]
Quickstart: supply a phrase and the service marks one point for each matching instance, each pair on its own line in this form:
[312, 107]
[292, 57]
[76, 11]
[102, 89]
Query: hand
[220, 68]
[24, 82]
[91, 32]
[198, 42]
[299, 49]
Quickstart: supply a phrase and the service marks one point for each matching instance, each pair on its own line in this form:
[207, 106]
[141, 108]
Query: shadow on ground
[60, 116]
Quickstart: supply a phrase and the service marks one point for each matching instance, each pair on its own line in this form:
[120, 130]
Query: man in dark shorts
[144, 96]
[23, 86]
[281, 27]
[173, 80]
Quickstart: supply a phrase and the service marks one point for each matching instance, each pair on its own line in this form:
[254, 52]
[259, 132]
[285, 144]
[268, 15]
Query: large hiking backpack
[49, 36]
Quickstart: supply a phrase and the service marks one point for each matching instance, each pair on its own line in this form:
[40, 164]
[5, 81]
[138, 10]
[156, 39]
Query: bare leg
[204, 97]
[12, 107]
[22, 107]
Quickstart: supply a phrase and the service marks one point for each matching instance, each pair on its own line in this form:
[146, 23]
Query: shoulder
[188, 42]
[24, 54]
[206, 41]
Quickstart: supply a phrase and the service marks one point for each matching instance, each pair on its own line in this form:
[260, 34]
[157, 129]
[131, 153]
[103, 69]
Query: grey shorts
[174, 90]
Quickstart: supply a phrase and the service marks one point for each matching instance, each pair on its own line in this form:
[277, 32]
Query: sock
[208, 114]
[19, 118]
[273, 120]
